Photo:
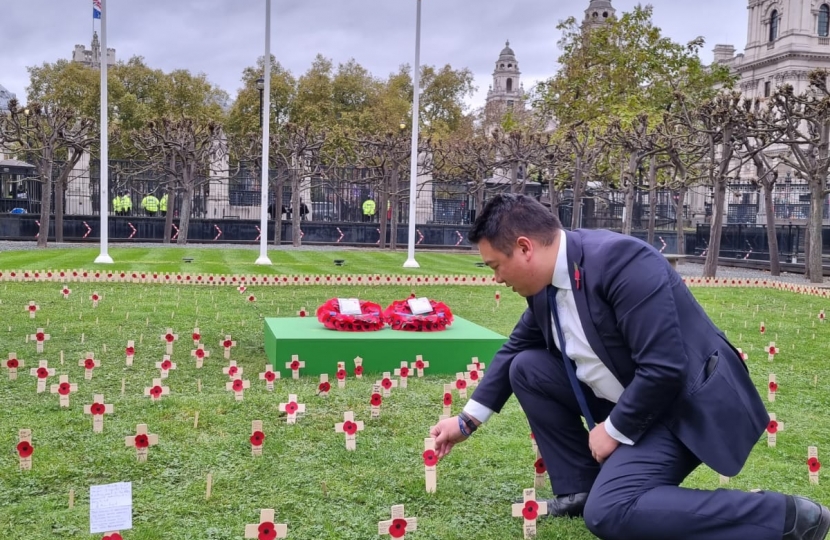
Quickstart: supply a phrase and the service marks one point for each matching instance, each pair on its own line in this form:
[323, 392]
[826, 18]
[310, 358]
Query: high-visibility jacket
[163, 203]
[150, 203]
[116, 204]
[126, 203]
[369, 207]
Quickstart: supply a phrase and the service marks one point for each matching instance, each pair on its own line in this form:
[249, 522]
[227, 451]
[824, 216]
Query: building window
[509, 85]
[774, 19]
[824, 20]
[767, 88]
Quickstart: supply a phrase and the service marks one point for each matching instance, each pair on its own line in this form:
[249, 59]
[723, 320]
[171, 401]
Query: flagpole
[103, 194]
[416, 118]
[266, 123]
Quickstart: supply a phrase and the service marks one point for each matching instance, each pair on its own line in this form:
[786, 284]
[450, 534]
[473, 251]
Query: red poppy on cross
[772, 350]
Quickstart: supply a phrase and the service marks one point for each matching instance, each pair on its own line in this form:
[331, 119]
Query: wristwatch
[465, 420]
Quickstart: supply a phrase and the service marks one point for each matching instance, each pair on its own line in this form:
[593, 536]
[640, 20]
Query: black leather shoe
[812, 520]
[567, 505]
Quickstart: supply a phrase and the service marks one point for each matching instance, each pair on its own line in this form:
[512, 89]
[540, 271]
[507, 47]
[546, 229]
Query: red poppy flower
[40, 336]
[89, 363]
[113, 536]
[341, 374]
[169, 338]
[419, 364]
[32, 308]
[349, 427]
[404, 372]
[257, 437]
[42, 373]
[65, 292]
[302, 313]
[461, 384]
[24, 449]
[474, 375]
[227, 344]
[266, 531]
[64, 388]
[232, 371]
[141, 441]
[167, 364]
[539, 464]
[252, 298]
[200, 353]
[772, 427]
[196, 336]
[324, 387]
[771, 350]
[237, 385]
[447, 399]
[531, 510]
[376, 400]
[398, 528]
[814, 465]
[295, 365]
[12, 363]
[773, 386]
[97, 409]
[292, 407]
[95, 298]
[130, 351]
[358, 370]
[155, 391]
[430, 459]
[270, 376]
[386, 383]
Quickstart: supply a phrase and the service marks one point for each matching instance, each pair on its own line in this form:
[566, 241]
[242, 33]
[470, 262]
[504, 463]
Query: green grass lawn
[318, 488]
[241, 261]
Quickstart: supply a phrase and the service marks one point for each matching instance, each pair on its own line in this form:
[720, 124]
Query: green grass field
[318, 488]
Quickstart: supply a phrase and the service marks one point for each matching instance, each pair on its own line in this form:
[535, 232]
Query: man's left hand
[601, 443]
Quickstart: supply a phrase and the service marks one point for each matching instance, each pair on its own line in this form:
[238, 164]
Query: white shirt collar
[561, 276]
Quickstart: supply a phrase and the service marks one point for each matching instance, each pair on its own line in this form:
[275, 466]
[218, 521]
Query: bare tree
[586, 150]
[468, 159]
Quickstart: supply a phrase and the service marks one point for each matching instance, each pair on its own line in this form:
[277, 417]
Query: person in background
[150, 204]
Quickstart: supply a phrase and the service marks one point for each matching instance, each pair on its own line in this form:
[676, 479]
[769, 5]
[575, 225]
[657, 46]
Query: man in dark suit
[643, 360]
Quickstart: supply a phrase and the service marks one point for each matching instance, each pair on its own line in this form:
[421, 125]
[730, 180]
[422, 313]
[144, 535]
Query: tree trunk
[296, 231]
[168, 219]
[46, 198]
[554, 197]
[59, 190]
[652, 199]
[814, 262]
[184, 215]
[710, 267]
[577, 194]
[393, 236]
[514, 176]
[380, 210]
[629, 189]
[678, 213]
[772, 234]
[278, 209]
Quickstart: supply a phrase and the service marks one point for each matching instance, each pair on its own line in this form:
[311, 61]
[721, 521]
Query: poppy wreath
[370, 319]
[400, 317]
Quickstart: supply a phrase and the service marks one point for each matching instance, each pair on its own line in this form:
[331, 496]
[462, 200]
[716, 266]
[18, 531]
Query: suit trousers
[635, 495]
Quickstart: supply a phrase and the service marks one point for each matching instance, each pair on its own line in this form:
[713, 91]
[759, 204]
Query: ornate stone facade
[92, 57]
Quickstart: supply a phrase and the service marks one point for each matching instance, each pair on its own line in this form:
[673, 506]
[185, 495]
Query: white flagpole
[416, 118]
[266, 122]
[103, 194]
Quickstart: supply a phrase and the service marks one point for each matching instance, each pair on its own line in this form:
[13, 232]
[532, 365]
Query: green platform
[448, 351]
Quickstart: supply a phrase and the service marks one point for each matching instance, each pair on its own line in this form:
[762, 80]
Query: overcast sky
[221, 37]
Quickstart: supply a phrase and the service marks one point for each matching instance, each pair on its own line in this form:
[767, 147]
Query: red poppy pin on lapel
[577, 276]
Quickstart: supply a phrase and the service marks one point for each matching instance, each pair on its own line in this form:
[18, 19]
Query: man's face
[514, 270]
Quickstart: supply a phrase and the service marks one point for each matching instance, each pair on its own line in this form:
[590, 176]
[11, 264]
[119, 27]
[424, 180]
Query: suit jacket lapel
[575, 261]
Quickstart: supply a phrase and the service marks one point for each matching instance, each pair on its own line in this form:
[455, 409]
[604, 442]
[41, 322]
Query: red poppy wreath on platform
[400, 317]
[369, 320]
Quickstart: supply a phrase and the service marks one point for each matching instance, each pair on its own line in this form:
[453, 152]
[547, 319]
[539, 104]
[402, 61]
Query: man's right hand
[446, 434]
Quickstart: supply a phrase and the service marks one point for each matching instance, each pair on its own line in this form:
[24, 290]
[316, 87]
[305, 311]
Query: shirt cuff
[478, 411]
[615, 434]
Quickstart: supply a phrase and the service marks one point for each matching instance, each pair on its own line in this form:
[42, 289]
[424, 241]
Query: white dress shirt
[589, 368]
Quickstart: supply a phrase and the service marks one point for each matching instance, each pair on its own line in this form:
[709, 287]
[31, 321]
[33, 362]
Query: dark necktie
[569, 367]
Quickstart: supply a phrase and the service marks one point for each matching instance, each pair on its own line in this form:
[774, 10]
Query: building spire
[598, 12]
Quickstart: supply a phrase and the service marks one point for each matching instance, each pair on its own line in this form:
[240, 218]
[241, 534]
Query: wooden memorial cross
[89, 364]
[12, 364]
[95, 298]
[199, 353]
[291, 409]
[479, 366]
[63, 389]
[358, 367]
[419, 365]
[257, 437]
[530, 509]
[266, 528]
[376, 401]
[39, 337]
[461, 385]
[269, 376]
[821, 316]
[772, 350]
[447, 400]
[534, 445]
[744, 356]
[341, 375]
[238, 387]
[763, 328]
[227, 343]
[42, 372]
[157, 390]
[66, 291]
[302, 312]
[165, 366]
[813, 464]
[324, 387]
[142, 441]
[398, 526]
[498, 299]
[350, 428]
[473, 374]
[32, 309]
[540, 470]
[168, 338]
[232, 370]
[98, 409]
[430, 461]
[130, 352]
[294, 365]
[772, 387]
[773, 428]
[25, 449]
[387, 383]
[403, 373]
[197, 336]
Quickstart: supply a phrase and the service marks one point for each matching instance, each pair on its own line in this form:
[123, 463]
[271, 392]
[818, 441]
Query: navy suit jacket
[642, 321]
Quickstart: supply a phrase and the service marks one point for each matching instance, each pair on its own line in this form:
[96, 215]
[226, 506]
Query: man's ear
[525, 245]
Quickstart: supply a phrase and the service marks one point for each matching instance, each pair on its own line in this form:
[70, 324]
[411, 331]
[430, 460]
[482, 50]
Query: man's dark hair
[508, 216]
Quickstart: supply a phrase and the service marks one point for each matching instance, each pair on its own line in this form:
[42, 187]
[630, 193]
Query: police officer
[126, 203]
[163, 205]
[368, 209]
[150, 204]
